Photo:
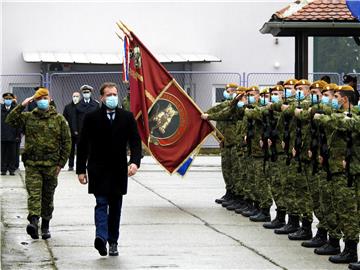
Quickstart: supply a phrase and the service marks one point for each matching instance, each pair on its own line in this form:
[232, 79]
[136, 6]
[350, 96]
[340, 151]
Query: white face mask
[86, 95]
[76, 99]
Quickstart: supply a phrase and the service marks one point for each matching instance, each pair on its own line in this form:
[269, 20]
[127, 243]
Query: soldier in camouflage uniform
[47, 148]
[225, 126]
[344, 221]
[300, 203]
[259, 164]
[277, 159]
[317, 179]
[285, 129]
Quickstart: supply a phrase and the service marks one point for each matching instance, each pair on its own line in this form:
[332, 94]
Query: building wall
[227, 30]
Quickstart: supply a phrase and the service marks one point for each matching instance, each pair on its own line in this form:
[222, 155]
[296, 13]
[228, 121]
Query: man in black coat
[9, 137]
[86, 105]
[102, 153]
[70, 116]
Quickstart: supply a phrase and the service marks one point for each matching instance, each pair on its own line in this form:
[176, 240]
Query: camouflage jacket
[296, 126]
[225, 116]
[337, 125]
[47, 136]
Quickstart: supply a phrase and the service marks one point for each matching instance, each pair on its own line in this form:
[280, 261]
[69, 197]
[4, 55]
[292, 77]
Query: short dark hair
[106, 85]
[326, 78]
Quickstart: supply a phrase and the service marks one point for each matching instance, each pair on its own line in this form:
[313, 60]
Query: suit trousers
[107, 217]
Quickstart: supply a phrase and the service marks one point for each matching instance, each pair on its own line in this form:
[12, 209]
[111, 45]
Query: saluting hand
[82, 178]
[132, 169]
[27, 101]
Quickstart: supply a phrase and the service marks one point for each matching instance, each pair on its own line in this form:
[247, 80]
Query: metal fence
[270, 79]
[199, 85]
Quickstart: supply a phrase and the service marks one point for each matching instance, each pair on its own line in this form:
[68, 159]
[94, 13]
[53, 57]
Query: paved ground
[167, 223]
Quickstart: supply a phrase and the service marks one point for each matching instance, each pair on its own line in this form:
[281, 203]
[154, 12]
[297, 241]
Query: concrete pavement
[167, 223]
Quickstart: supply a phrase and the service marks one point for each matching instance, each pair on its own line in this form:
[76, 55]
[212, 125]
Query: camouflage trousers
[228, 163]
[40, 182]
[239, 172]
[316, 184]
[298, 199]
[343, 221]
[258, 178]
[277, 182]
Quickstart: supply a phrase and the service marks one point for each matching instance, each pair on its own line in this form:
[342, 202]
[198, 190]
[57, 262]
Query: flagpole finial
[118, 35]
[124, 29]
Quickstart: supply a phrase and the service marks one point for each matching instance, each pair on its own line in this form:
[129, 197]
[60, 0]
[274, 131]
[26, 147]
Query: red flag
[168, 120]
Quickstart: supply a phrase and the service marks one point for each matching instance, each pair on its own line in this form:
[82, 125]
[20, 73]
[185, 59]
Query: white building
[228, 31]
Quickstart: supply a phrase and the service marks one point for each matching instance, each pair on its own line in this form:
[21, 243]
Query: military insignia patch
[167, 120]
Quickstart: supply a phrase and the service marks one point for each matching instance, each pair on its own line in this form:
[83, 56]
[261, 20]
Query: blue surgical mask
[233, 95]
[226, 95]
[240, 104]
[315, 98]
[42, 104]
[264, 101]
[275, 99]
[335, 104]
[299, 95]
[86, 95]
[8, 102]
[325, 100]
[251, 99]
[111, 102]
[287, 93]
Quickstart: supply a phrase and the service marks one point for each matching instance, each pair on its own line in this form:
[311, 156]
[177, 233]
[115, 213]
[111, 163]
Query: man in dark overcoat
[102, 162]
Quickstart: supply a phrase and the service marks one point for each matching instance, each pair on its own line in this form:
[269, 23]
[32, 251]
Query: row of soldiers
[296, 144]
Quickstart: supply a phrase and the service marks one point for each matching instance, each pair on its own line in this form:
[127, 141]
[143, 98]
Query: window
[218, 94]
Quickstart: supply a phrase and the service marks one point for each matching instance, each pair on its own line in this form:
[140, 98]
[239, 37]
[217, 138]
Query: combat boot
[262, 216]
[32, 229]
[318, 240]
[348, 255]
[252, 211]
[291, 227]
[278, 222]
[239, 202]
[303, 233]
[332, 247]
[45, 233]
[354, 266]
[230, 200]
[223, 198]
[244, 207]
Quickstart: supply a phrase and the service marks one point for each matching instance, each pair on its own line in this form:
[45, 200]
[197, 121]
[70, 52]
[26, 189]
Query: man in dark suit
[102, 152]
[70, 116]
[86, 105]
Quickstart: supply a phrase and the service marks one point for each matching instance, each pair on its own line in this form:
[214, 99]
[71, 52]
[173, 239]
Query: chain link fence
[201, 86]
[270, 79]
[21, 85]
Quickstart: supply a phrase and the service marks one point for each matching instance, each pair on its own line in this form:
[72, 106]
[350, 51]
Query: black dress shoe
[301, 234]
[100, 245]
[113, 251]
[70, 169]
[3, 173]
[12, 173]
